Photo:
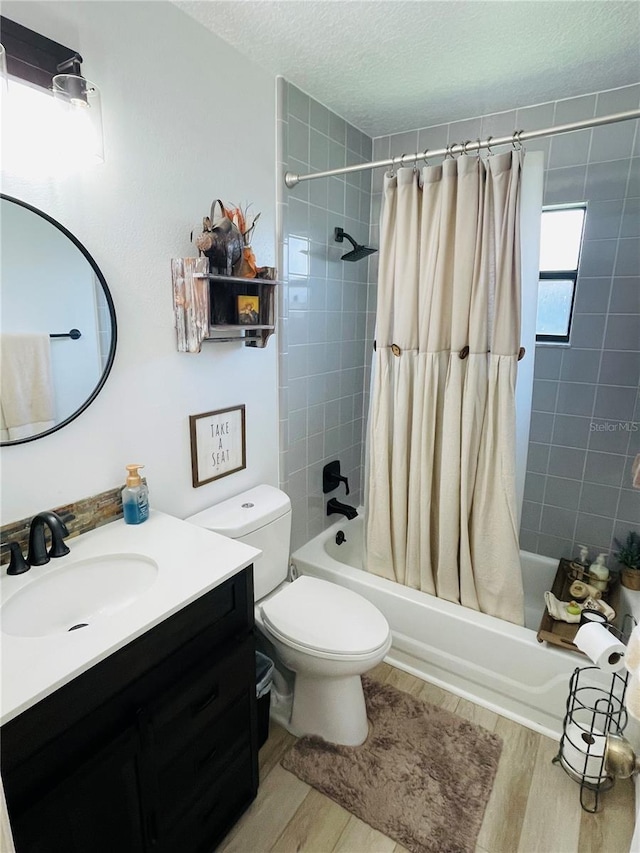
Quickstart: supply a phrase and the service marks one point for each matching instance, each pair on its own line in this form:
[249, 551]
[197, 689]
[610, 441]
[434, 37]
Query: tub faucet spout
[344, 509]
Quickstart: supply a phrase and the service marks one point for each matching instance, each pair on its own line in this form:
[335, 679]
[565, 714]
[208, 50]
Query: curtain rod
[518, 136]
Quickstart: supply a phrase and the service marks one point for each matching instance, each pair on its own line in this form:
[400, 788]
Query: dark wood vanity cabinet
[153, 749]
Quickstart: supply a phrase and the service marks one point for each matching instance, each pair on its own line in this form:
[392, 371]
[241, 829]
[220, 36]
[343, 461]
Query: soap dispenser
[135, 497]
[599, 573]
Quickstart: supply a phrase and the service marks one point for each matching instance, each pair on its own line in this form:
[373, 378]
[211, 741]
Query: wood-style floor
[534, 805]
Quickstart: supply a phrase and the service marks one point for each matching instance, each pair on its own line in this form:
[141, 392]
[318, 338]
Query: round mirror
[57, 324]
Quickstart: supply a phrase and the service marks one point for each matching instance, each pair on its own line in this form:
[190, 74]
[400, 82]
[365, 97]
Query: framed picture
[248, 310]
[218, 444]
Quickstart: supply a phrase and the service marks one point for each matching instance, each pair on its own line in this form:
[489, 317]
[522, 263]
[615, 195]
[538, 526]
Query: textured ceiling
[390, 65]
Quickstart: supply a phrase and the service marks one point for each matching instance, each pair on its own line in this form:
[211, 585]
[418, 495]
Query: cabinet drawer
[209, 820]
[194, 703]
[196, 768]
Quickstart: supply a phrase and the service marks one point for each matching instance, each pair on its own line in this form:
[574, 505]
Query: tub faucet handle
[331, 477]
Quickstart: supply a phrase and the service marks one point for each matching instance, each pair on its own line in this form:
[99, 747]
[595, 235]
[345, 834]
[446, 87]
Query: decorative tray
[562, 634]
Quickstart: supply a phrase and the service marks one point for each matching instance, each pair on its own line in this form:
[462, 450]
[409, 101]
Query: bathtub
[493, 663]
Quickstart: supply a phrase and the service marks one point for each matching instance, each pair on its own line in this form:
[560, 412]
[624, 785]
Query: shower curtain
[441, 506]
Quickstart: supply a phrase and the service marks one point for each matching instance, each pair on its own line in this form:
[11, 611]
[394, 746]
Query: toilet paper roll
[582, 753]
[600, 646]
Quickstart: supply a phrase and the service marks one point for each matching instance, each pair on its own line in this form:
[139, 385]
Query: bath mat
[423, 777]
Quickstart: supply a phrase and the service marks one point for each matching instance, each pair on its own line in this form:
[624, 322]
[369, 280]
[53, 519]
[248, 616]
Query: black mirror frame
[112, 316]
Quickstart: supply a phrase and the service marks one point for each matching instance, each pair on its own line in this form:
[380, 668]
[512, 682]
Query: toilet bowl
[328, 636]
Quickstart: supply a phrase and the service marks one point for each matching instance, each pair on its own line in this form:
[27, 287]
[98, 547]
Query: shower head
[358, 252]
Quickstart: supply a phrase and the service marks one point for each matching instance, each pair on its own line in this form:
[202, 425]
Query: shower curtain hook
[448, 152]
[424, 156]
[392, 169]
[515, 140]
[489, 151]
[478, 140]
[464, 147]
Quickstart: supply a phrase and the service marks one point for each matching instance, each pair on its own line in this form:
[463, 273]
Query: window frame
[563, 275]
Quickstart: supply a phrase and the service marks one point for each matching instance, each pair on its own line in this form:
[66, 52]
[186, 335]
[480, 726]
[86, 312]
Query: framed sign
[218, 444]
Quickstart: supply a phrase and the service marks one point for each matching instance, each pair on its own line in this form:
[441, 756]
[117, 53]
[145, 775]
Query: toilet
[325, 635]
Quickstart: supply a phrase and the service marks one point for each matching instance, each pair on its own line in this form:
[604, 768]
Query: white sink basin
[77, 594]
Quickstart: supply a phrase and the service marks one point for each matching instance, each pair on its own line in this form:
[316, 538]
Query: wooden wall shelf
[206, 306]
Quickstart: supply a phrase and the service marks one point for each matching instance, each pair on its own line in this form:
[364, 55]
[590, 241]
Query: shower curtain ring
[464, 147]
[448, 152]
[424, 156]
[515, 140]
[478, 140]
[489, 151]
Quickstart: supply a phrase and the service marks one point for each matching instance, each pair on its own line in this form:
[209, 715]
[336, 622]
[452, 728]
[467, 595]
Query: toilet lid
[326, 617]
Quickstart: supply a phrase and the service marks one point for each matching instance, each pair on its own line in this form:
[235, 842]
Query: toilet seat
[326, 620]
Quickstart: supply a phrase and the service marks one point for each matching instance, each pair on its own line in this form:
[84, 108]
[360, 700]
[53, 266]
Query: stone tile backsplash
[79, 516]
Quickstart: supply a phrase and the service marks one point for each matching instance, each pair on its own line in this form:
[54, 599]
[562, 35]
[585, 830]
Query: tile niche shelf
[206, 306]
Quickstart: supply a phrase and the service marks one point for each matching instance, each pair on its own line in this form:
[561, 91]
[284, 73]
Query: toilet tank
[260, 517]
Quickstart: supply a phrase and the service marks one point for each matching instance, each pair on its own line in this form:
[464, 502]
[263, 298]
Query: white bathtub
[491, 662]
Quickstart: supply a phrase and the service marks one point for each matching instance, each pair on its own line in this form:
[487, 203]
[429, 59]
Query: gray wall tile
[548, 362]
[570, 431]
[558, 522]
[561, 492]
[566, 462]
[614, 404]
[321, 378]
[623, 332]
[541, 427]
[580, 365]
[629, 507]
[575, 398]
[620, 368]
[603, 219]
[607, 180]
[628, 257]
[594, 531]
[597, 499]
[604, 468]
[587, 331]
[625, 296]
[534, 487]
[544, 396]
[592, 295]
[612, 142]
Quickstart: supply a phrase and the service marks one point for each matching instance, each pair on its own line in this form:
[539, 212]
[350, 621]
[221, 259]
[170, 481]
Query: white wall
[186, 119]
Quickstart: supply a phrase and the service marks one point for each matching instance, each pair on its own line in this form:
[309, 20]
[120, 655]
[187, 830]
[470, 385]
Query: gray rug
[423, 776]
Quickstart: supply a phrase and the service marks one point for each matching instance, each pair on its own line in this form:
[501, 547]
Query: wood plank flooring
[534, 805]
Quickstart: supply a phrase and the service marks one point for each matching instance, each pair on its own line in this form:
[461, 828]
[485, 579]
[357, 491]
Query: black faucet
[334, 505]
[38, 555]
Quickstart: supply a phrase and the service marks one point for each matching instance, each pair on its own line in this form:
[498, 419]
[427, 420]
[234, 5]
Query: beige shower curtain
[441, 508]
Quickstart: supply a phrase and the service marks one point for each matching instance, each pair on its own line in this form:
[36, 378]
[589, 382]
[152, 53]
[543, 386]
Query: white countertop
[191, 561]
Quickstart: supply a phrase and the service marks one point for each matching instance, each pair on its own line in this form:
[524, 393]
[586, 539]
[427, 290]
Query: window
[560, 244]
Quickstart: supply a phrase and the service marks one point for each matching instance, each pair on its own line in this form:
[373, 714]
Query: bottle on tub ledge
[599, 573]
[135, 497]
[579, 567]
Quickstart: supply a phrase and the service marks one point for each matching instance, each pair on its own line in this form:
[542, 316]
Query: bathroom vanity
[154, 745]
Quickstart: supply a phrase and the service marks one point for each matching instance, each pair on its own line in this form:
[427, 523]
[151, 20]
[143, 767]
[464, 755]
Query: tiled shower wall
[322, 311]
[585, 426]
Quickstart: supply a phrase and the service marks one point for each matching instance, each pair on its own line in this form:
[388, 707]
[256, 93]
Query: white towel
[26, 387]
[632, 663]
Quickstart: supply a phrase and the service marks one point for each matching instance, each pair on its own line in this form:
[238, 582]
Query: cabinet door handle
[199, 708]
[206, 758]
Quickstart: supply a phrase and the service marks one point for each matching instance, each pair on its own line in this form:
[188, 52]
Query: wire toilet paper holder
[595, 708]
